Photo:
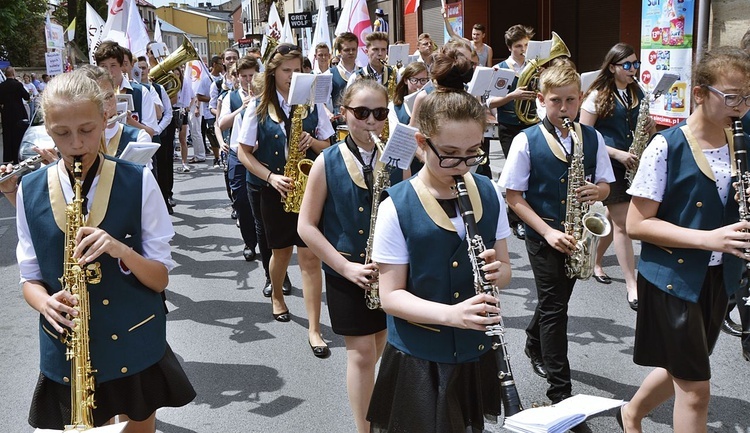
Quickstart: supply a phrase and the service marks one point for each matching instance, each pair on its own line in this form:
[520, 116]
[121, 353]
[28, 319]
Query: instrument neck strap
[366, 168]
[551, 129]
[87, 182]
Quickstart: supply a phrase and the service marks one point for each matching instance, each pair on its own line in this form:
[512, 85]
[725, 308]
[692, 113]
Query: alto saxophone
[587, 227]
[75, 280]
[382, 180]
[297, 166]
[391, 86]
[508, 391]
[640, 138]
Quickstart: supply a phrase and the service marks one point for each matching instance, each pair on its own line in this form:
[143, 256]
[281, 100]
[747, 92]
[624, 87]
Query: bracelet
[11, 191]
[269, 176]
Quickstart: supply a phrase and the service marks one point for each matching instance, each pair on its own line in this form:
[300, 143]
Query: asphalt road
[253, 374]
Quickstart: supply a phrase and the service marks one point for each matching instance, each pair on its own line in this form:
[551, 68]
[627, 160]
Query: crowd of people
[438, 368]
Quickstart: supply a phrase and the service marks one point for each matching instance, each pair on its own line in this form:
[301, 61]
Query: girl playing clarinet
[437, 371]
[693, 249]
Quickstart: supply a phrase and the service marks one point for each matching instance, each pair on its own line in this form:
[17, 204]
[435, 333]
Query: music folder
[560, 417]
[398, 53]
[490, 81]
[113, 428]
[139, 153]
[308, 89]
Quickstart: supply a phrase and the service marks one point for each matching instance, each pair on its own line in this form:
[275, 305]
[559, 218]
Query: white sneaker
[185, 169]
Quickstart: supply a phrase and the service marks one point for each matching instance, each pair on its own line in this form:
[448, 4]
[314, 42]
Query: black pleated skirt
[280, 226]
[348, 310]
[678, 335]
[164, 384]
[413, 395]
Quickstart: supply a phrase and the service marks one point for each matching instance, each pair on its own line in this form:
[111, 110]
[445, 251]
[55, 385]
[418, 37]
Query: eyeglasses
[362, 113]
[628, 65]
[285, 49]
[730, 99]
[421, 81]
[455, 161]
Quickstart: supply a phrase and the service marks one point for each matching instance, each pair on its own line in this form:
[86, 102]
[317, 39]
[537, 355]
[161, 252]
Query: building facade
[214, 29]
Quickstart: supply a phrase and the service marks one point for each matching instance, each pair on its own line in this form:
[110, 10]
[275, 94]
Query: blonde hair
[558, 76]
[73, 87]
[268, 94]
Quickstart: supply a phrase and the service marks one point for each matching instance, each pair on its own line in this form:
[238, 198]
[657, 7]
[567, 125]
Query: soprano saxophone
[382, 180]
[508, 391]
[587, 227]
[297, 166]
[75, 280]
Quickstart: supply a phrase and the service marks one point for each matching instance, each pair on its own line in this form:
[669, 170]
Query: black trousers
[164, 158]
[13, 130]
[506, 133]
[236, 173]
[208, 131]
[260, 230]
[547, 334]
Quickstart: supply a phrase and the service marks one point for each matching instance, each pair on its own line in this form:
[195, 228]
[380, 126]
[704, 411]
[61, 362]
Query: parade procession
[391, 216]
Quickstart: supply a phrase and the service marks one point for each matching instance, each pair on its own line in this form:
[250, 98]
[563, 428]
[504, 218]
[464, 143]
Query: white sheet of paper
[401, 146]
[127, 98]
[398, 53]
[323, 88]
[139, 153]
[409, 102]
[587, 78]
[494, 81]
[300, 91]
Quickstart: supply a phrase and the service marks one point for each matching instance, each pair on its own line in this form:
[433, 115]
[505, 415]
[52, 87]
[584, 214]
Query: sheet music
[538, 50]
[139, 153]
[587, 79]
[307, 89]
[398, 53]
[490, 81]
[323, 88]
[113, 428]
[401, 146]
[409, 102]
[665, 83]
[126, 98]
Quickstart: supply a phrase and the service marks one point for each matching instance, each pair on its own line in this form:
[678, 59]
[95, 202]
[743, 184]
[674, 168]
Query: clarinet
[743, 180]
[508, 391]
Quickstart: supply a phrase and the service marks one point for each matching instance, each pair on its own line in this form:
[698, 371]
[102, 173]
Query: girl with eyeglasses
[437, 371]
[264, 142]
[684, 212]
[611, 105]
[413, 78]
[335, 223]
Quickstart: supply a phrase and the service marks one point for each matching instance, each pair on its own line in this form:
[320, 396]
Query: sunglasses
[362, 113]
[628, 65]
[285, 49]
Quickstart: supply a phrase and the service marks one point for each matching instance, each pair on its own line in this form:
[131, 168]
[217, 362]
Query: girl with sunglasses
[437, 371]
[342, 201]
[611, 105]
[264, 142]
[684, 212]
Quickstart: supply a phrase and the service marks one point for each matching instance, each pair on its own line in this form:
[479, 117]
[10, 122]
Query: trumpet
[26, 166]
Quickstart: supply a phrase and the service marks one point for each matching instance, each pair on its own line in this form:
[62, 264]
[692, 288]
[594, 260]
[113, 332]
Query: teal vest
[235, 102]
[548, 179]
[127, 324]
[339, 85]
[348, 205]
[746, 122]
[690, 200]
[129, 133]
[403, 117]
[272, 144]
[618, 128]
[439, 271]
[136, 91]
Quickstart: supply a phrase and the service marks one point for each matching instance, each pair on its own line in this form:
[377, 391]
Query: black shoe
[618, 417]
[321, 352]
[216, 163]
[561, 397]
[286, 288]
[234, 214]
[633, 304]
[171, 201]
[604, 279]
[282, 317]
[731, 328]
[537, 365]
[267, 289]
[520, 231]
[248, 253]
[169, 209]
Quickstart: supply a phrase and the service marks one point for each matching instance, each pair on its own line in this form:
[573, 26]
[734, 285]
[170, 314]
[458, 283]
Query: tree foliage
[23, 29]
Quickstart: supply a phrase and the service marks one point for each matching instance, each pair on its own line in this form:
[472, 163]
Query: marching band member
[334, 223]
[263, 151]
[535, 177]
[690, 260]
[437, 371]
[128, 234]
[611, 105]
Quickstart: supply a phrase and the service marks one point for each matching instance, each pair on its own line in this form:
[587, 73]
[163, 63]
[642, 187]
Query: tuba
[526, 109]
[587, 227]
[162, 73]
[297, 166]
[75, 280]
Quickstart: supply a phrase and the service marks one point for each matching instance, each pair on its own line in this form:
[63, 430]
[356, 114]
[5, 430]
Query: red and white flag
[355, 18]
[273, 29]
[411, 6]
[198, 74]
[116, 27]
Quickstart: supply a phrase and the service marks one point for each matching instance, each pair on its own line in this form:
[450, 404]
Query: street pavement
[253, 374]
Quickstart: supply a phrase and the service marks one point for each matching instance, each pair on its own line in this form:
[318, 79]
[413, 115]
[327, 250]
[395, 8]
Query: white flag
[157, 31]
[116, 27]
[355, 18]
[198, 74]
[94, 28]
[287, 37]
[274, 23]
[321, 35]
[136, 32]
